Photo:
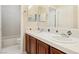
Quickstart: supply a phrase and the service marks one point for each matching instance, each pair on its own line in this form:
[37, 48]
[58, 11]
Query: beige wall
[78, 16]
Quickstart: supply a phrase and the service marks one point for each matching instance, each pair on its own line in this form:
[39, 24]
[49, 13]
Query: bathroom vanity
[35, 46]
[50, 43]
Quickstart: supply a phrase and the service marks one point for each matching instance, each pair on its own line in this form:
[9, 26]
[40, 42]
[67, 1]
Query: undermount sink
[58, 38]
[64, 39]
[47, 34]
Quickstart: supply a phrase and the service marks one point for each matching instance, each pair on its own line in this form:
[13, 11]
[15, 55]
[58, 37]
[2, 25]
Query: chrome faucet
[57, 31]
[67, 35]
[40, 29]
[64, 35]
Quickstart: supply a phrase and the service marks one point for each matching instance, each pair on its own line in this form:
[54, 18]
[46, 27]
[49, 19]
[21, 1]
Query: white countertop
[70, 48]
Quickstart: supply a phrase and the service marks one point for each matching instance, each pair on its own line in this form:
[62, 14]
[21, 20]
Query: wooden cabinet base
[42, 48]
[35, 46]
[55, 51]
[27, 45]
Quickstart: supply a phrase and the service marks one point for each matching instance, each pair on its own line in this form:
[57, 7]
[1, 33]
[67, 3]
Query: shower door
[10, 21]
[11, 16]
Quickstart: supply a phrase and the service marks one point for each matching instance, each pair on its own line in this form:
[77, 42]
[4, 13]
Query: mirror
[64, 16]
[51, 17]
[32, 13]
[67, 16]
[42, 13]
[37, 13]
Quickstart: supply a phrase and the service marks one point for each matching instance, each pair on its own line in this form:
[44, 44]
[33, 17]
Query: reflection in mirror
[64, 16]
[37, 13]
[32, 13]
[35, 17]
[42, 11]
[67, 16]
[52, 17]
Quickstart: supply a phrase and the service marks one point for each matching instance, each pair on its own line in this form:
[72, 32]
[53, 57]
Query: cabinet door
[55, 51]
[42, 48]
[27, 44]
[32, 45]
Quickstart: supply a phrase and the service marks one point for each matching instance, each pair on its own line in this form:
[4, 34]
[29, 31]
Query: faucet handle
[48, 30]
[69, 33]
[30, 28]
[38, 28]
[56, 31]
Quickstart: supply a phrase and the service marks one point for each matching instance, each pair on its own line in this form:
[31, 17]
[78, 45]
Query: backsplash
[34, 27]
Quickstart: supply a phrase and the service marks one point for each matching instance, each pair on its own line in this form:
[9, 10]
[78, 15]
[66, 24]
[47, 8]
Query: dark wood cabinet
[35, 46]
[55, 51]
[27, 45]
[32, 45]
[42, 48]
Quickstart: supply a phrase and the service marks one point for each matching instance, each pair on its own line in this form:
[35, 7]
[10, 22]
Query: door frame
[0, 31]
[22, 29]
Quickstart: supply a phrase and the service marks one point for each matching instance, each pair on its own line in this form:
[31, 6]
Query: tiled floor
[15, 49]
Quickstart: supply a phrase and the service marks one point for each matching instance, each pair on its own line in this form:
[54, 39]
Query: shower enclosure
[10, 26]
